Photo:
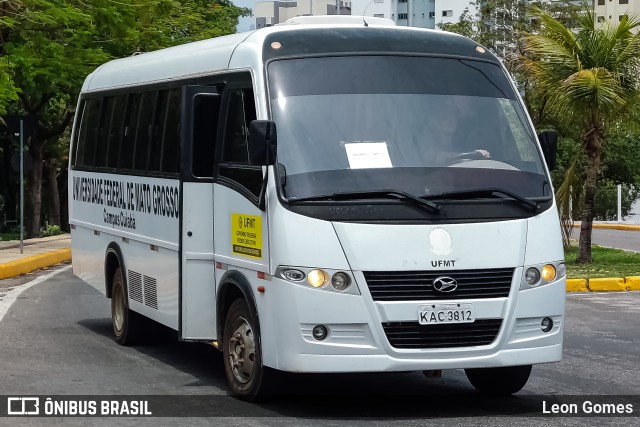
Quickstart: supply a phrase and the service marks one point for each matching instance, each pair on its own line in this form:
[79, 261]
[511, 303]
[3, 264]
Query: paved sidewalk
[37, 253]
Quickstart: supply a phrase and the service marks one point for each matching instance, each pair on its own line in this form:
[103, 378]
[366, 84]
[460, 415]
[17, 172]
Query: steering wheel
[470, 155]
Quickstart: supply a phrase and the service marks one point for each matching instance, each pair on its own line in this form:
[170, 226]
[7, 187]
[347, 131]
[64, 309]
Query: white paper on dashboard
[363, 155]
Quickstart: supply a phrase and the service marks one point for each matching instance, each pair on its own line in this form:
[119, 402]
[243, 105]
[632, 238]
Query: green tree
[50, 46]
[466, 25]
[590, 79]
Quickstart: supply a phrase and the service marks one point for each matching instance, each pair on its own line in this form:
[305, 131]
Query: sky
[244, 24]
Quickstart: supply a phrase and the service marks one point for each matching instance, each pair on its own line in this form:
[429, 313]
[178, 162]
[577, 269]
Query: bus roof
[215, 55]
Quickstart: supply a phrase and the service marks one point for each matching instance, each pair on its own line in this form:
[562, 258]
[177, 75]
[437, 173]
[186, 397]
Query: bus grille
[415, 335]
[135, 286]
[150, 292]
[418, 285]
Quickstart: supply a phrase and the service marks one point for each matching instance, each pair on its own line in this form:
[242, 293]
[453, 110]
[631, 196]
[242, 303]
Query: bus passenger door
[240, 227]
[197, 287]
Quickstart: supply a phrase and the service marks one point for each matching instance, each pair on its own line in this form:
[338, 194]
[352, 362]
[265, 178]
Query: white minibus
[329, 195]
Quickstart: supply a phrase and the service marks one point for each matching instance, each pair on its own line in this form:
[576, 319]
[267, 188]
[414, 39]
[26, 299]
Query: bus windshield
[421, 125]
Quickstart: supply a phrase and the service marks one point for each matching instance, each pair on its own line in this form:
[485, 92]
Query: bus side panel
[198, 279]
[152, 281]
[141, 216]
[88, 257]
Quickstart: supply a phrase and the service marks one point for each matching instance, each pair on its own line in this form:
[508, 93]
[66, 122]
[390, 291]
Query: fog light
[547, 324]
[317, 278]
[532, 276]
[340, 281]
[319, 332]
[548, 272]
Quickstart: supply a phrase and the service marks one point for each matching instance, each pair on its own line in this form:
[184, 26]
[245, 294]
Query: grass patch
[606, 263]
[9, 236]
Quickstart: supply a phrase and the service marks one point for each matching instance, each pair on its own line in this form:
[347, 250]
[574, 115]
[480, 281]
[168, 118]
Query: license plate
[438, 314]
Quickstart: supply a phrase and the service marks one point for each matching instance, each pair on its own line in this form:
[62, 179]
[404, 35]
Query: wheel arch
[112, 260]
[234, 285]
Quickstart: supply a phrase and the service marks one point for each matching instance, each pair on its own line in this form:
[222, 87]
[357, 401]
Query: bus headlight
[293, 274]
[317, 278]
[340, 281]
[532, 276]
[561, 270]
[542, 274]
[548, 272]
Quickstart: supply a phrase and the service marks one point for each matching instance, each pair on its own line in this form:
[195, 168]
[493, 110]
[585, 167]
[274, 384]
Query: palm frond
[594, 90]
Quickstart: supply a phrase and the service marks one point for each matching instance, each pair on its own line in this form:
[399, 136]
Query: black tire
[126, 323]
[499, 381]
[241, 344]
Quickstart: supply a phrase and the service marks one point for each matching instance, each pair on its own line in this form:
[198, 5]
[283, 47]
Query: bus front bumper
[357, 341]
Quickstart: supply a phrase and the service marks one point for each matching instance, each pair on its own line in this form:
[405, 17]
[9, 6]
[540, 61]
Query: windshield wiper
[480, 192]
[375, 194]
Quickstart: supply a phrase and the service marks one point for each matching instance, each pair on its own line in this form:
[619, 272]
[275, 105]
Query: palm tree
[591, 78]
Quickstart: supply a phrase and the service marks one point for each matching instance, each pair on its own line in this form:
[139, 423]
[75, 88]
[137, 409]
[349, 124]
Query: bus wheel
[241, 352]
[499, 381]
[124, 321]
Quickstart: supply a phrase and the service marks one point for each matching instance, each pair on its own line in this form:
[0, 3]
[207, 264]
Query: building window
[624, 1]
[600, 18]
[378, 15]
[432, 15]
[600, 2]
[447, 13]
[402, 1]
[403, 16]
[620, 17]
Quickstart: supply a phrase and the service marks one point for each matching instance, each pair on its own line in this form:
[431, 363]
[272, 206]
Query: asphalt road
[56, 339]
[621, 239]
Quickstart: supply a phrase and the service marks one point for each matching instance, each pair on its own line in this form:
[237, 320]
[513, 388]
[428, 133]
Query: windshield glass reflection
[420, 125]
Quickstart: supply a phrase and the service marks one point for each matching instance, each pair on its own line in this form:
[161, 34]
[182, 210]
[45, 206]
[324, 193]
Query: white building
[414, 13]
[612, 11]
[271, 12]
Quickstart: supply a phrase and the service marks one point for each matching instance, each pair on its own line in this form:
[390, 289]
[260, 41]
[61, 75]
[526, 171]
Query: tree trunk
[53, 197]
[9, 184]
[33, 192]
[593, 148]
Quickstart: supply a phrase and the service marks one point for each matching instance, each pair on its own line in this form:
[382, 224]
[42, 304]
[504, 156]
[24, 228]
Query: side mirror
[549, 144]
[262, 142]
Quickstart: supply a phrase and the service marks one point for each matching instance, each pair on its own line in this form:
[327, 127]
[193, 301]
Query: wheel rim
[242, 351]
[118, 309]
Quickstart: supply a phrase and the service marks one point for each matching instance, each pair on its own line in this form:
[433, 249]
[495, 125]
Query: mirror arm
[262, 198]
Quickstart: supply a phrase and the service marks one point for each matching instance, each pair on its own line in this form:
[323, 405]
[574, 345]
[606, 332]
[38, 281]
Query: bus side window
[235, 158]
[129, 138]
[88, 135]
[171, 134]
[103, 138]
[155, 145]
[115, 130]
[144, 131]
[206, 112]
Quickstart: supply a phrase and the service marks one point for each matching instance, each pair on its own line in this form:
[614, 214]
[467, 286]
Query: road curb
[34, 262]
[577, 285]
[604, 284]
[626, 227]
